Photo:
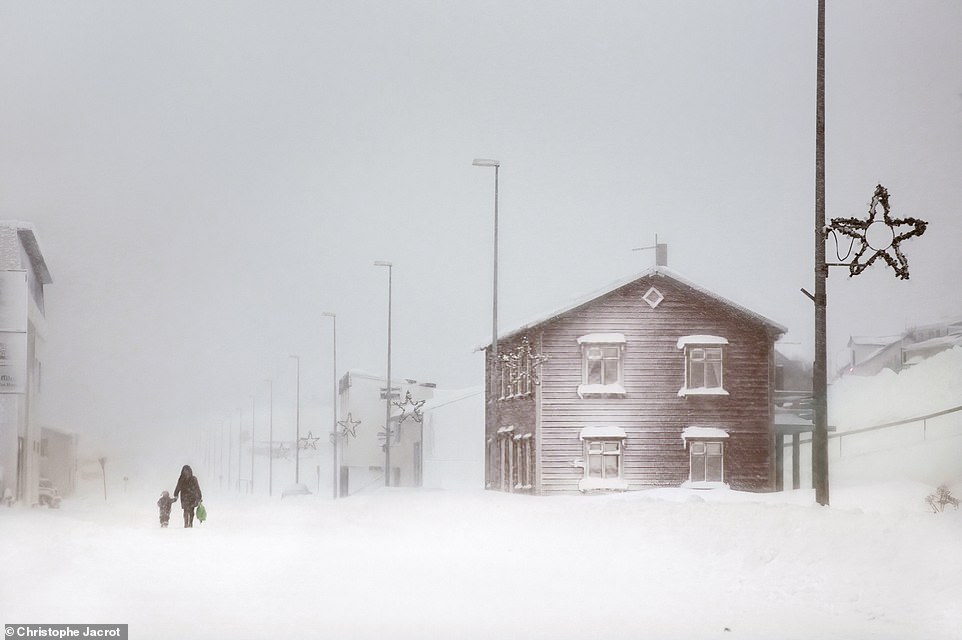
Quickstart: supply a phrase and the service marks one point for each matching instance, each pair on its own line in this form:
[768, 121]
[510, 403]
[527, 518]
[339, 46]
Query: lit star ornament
[348, 426]
[879, 238]
[309, 441]
[410, 408]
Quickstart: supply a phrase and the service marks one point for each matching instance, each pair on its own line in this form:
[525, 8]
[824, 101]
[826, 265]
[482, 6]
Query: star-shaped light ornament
[382, 436]
[523, 363]
[410, 408]
[879, 238]
[348, 426]
[309, 441]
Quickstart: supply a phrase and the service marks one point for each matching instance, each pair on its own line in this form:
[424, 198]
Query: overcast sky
[207, 178]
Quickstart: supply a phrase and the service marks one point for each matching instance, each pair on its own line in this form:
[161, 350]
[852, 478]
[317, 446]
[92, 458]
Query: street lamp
[240, 444]
[334, 441]
[387, 394]
[297, 424]
[270, 436]
[253, 427]
[481, 162]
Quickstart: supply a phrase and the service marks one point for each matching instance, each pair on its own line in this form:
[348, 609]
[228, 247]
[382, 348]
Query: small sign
[13, 362]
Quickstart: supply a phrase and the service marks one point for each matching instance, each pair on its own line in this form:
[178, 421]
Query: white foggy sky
[207, 178]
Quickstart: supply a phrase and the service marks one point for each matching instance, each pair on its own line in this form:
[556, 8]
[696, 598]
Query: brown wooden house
[652, 382]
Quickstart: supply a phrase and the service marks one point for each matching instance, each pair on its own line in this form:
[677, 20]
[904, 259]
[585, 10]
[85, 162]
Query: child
[164, 504]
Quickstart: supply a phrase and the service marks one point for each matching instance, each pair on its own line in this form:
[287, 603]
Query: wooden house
[651, 382]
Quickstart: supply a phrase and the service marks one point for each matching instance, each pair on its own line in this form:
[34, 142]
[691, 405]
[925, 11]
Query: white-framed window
[602, 364]
[523, 462]
[706, 455]
[516, 376]
[603, 462]
[707, 461]
[704, 365]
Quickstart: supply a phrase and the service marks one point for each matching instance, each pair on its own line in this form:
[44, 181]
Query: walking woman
[189, 490]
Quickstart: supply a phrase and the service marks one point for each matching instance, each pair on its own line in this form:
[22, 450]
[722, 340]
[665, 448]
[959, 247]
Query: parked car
[49, 496]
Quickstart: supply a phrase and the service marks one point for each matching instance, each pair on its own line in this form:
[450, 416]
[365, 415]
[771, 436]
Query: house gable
[643, 343]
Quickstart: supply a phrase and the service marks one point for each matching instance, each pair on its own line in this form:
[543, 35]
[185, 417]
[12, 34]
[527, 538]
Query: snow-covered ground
[395, 563]
[407, 564]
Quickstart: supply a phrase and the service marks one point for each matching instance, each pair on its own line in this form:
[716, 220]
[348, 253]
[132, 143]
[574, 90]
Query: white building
[23, 274]
[362, 447]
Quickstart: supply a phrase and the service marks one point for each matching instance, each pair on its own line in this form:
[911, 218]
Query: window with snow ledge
[706, 457]
[704, 365]
[603, 449]
[602, 356]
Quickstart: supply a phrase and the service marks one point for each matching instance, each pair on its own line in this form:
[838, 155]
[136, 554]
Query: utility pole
[820, 368]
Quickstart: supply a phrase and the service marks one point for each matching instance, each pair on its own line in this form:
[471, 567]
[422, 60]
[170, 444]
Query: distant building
[23, 274]
[653, 381]
[58, 458]
[362, 448]
[869, 355]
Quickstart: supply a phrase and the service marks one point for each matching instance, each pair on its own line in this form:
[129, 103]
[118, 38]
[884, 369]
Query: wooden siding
[651, 413]
[518, 412]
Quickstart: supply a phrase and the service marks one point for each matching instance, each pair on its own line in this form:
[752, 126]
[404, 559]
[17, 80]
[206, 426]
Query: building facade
[651, 382]
[362, 439]
[23, 275]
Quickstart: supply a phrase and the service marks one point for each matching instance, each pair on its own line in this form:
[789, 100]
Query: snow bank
[477, 565]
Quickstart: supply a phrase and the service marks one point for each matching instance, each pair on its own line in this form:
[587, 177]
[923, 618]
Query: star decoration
[861, 230]
[382, 436]
[308, 441]
[348, 426]
[282, 451]
[410, 408]
[522, 364]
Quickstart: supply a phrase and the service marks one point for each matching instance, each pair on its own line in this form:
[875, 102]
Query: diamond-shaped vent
[653, 297]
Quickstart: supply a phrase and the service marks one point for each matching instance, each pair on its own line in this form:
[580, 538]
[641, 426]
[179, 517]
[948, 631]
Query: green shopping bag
[201, 513]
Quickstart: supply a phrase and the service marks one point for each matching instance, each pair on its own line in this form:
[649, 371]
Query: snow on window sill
[597, 484]
[594, 390]
[688, 484]
[701, 391]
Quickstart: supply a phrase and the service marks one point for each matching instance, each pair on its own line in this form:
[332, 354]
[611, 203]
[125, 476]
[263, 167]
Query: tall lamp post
[387, 393]
[253, 426]
[334, 440]
[230, 450]
[270, 437]
[297, 423]
[240, 444]
[481, 162]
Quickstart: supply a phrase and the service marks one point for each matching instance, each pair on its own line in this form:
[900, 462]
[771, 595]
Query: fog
[207, 179]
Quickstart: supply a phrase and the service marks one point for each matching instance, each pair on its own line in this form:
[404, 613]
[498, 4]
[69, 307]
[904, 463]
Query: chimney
[661, 255]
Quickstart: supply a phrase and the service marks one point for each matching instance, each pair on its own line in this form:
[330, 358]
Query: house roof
[28, 238]
[656, 271]
[873, 341]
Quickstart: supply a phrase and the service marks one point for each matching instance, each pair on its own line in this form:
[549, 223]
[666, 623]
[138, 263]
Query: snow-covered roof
[602, 432]
[873, 341]
[942, 342]
[703, 432]
[28, 238]
[602, 338]
[702, 339]
[656, 271]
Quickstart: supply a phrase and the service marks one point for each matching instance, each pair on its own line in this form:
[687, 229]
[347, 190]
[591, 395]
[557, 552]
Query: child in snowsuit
[164, 504]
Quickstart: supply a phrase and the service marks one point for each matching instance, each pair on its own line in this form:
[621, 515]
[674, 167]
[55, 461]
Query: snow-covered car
[295, 490]
[49, 496]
